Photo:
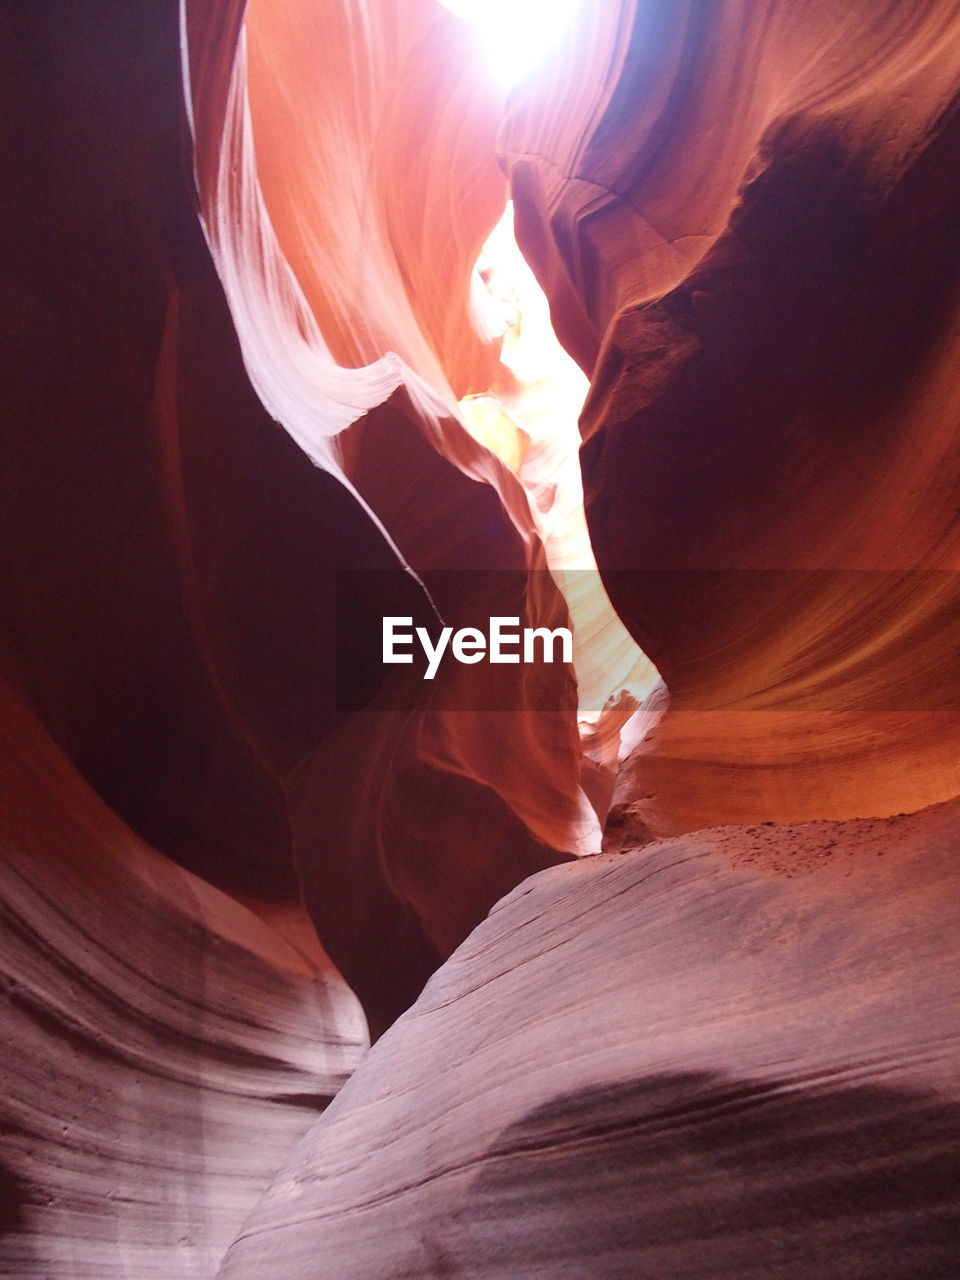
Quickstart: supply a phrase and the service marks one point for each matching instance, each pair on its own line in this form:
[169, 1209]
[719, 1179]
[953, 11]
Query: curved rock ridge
[272, 654]
[163, 1047]
[170, 556]
[319, 133]
[357, 336]
[734, 1052]
[745, 217]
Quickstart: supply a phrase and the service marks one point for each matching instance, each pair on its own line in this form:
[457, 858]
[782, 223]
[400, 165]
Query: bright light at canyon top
[515, 34]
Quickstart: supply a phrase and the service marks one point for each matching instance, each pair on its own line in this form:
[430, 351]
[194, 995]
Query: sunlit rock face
[356, 332]
[730, 1053]
[151, 1025]
[750, 240]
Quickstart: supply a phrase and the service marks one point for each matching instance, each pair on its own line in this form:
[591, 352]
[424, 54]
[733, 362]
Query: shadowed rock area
[686, 1175]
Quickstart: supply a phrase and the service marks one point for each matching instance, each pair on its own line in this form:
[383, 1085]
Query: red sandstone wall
[750, 238]
[745, 216]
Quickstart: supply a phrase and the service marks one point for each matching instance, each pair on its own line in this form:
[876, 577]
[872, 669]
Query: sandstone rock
[759, 269]
[162, 1046]
[734, 1052]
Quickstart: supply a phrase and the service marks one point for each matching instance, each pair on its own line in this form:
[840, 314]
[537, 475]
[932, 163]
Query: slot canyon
[641, 966]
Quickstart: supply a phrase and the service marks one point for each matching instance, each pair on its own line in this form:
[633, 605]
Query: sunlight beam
[515, 34]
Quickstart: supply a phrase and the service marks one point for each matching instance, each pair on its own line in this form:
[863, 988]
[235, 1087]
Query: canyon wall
[170, 560]
[750, 239]
[163, 1047]
[241, 312]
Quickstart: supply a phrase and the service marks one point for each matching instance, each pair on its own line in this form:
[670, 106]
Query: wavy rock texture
[174, 601]
[345, 315]
[169, 588]
[163, 1046]
[745, 216]
[749, 235]
[730, 1053]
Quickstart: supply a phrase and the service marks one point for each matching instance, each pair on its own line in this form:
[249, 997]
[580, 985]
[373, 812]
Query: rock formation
[709, 1057]
[152, 1025]
[245, 329]
[751, 240]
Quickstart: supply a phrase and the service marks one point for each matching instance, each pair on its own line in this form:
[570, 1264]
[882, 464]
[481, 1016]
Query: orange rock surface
[750, 240]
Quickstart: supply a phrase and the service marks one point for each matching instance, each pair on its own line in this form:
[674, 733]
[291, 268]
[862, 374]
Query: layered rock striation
[734, 1052]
